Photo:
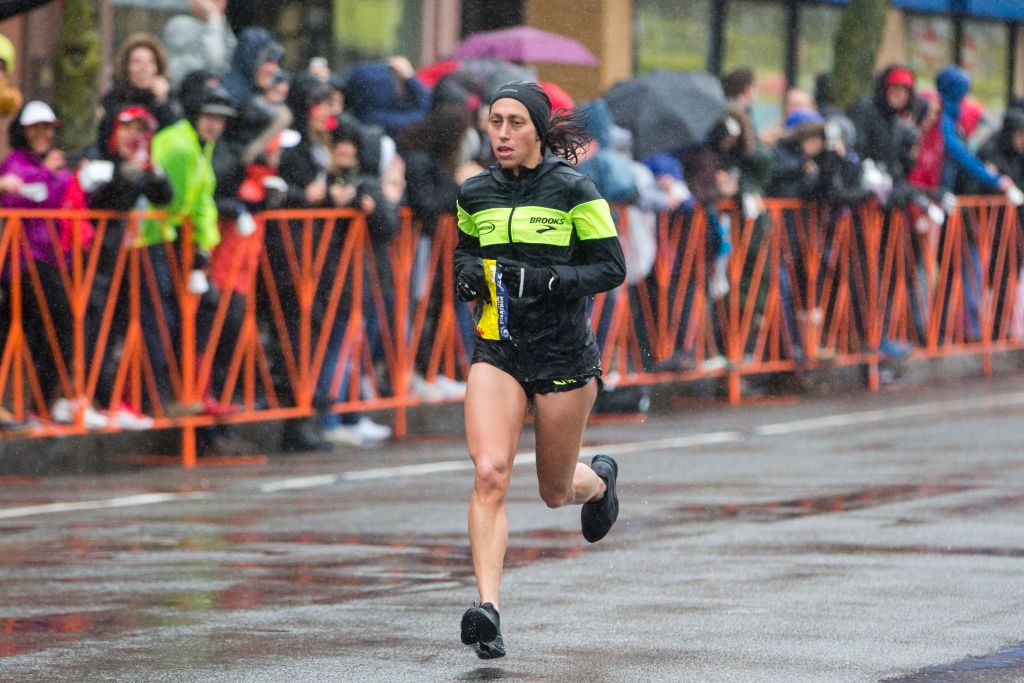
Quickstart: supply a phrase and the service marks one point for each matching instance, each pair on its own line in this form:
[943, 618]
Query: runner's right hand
[471, 284]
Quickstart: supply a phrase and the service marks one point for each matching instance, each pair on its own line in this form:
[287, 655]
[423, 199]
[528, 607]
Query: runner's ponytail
[567, 136]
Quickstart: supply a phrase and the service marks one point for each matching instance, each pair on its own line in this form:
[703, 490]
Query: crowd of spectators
[209, 128]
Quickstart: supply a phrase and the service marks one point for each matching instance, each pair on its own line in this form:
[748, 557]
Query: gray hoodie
[195, 44]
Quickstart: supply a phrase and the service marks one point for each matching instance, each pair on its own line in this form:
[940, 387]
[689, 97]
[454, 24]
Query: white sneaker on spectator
[430, 392]
[370, 431]
[714, 363]
[343, 435]
[64, 409]
[128, 418]
[451, 388]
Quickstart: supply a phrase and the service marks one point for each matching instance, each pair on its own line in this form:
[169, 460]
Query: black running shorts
[570, 371]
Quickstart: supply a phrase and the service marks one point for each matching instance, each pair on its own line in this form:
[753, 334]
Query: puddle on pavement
[378, 564]
[775, 510]
[491, 673]
[999, 665]
[19, 635]
[266, 569]
[919, 550]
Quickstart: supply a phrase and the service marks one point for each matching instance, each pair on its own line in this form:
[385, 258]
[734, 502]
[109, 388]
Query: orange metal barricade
[319, 307]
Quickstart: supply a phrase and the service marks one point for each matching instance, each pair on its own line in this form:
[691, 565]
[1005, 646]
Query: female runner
[536, 241]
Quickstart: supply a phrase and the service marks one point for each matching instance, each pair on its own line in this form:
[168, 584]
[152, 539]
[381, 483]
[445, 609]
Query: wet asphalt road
[862, 538]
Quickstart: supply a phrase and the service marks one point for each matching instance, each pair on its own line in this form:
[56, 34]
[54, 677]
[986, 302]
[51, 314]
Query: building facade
[785, 41]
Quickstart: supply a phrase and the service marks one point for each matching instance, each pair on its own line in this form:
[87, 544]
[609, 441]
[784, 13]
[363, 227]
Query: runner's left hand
[523, 280]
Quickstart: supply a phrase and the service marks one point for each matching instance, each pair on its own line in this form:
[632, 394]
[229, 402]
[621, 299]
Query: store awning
[990, 9]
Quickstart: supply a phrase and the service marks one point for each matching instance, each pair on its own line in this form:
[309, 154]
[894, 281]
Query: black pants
[55, 302]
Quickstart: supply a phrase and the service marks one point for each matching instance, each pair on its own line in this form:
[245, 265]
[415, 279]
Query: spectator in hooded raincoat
[958, 162]
[387, 94]
[959, 169]
[1004, 151]
[254, 65]
[184, 151]
[887, 140]
[886, 127]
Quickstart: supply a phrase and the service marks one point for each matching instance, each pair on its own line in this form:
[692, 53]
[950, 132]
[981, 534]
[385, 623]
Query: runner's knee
[555, 495]
[492, 478]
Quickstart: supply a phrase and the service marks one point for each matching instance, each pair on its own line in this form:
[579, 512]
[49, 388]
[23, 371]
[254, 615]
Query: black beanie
[533, 97]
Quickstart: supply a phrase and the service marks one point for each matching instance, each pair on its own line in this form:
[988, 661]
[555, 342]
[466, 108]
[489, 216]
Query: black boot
[301, 435]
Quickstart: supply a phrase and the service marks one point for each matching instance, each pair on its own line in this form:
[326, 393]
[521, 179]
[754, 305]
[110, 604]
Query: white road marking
[527, 457]
[408, 470]
[913, 410]
[688, 441]
[124, 501]
[298, 483]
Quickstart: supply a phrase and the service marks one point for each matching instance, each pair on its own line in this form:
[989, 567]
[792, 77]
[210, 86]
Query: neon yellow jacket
[188, 164]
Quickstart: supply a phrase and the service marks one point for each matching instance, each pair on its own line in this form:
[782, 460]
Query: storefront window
[672, 35]
[755, 36]
[983, 52]
[133, 16]
[818, 26]
[930, 46]
[375, 29]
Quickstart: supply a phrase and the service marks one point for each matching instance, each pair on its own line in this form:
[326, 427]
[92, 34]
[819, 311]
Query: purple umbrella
[524, 44]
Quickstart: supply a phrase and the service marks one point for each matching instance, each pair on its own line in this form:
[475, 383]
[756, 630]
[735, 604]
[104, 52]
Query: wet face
[897, 97]
[1017, 141]
[344, 154]
[201, 8]
[728, 143]
[130, 136]
[512, 135]
[319, 114]
[278, 92]
[795, 99]
[812, 145]
[265, 73]
[142, 69]
[337, 102]
[40, 137]
[210, 127]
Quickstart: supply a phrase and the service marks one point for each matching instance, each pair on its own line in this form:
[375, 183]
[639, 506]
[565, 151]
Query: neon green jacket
[188, 164]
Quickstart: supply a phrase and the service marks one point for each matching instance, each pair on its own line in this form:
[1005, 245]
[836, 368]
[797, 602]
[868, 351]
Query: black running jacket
[552, 216]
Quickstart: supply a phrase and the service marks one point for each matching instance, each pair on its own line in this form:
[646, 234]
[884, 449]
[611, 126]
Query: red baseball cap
[900, 76]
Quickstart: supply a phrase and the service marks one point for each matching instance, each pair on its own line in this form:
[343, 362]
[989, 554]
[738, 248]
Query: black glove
[523, 280]
[471, 285]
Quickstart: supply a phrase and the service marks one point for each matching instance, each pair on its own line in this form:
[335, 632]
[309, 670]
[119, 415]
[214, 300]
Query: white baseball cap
[37, 112]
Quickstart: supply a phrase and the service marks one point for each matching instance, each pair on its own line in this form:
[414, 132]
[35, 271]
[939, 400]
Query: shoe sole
[477, 627]
[489, 650]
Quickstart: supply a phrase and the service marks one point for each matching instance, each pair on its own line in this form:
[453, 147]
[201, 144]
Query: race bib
[493, 322]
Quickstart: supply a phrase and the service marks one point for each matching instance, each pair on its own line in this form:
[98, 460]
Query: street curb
[120, 451]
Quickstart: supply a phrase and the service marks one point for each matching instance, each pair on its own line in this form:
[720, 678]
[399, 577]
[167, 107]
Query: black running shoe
[598, 516]
[481, 629]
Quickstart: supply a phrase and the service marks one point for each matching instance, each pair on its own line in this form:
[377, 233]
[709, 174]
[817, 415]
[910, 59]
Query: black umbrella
[666, 110]
[8, 8]
[494, 73]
